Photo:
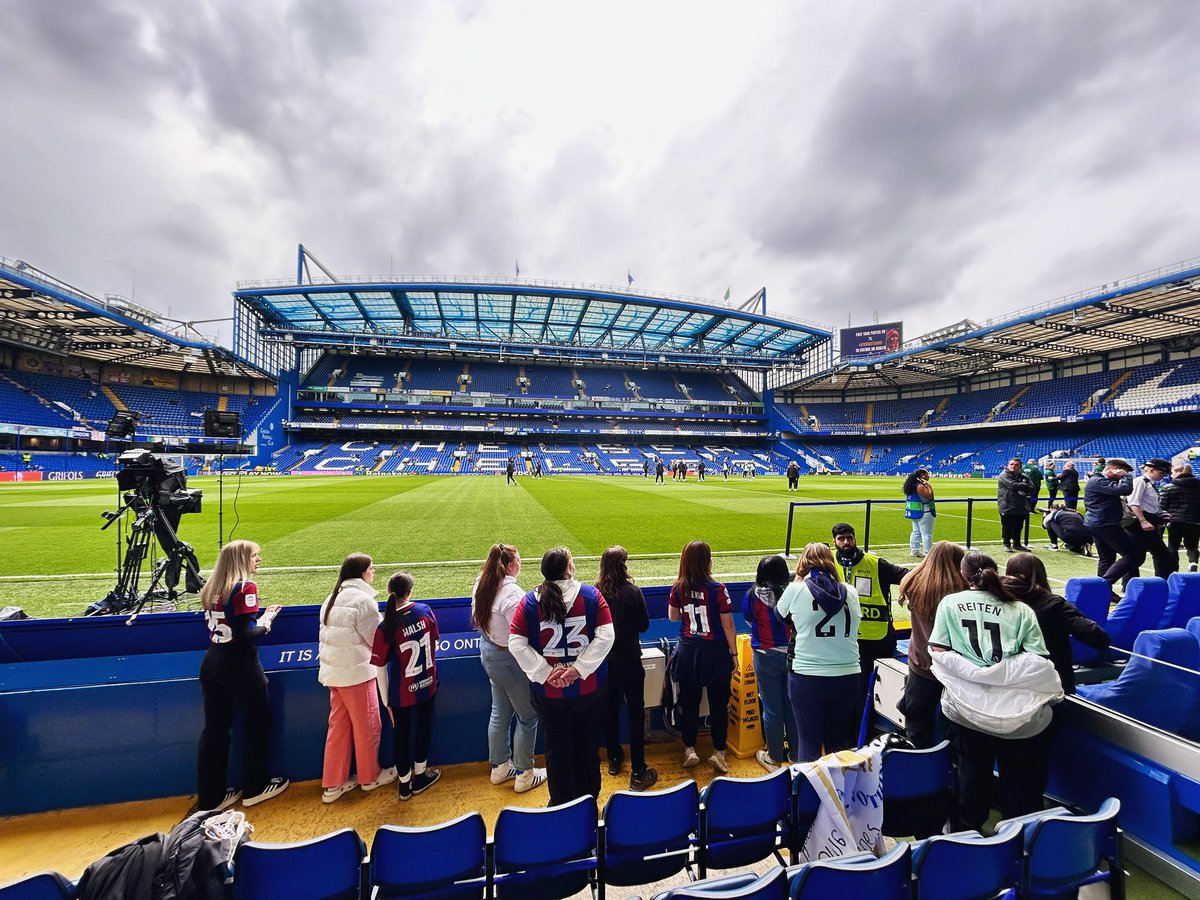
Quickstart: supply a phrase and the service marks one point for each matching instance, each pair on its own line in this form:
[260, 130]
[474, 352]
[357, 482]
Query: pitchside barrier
[863, 526]
[97, 710]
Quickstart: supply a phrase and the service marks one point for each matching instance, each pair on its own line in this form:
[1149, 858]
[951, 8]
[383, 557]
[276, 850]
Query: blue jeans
[921, 538]
[510, 697]
[779, 724]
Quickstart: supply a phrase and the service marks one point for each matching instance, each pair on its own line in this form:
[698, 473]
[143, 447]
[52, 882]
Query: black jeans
[1071, 501]
[1151, 544]
[700, 665]
[419, 715]
[1012, 527]
[232, 678]
[1186, 534]
[824, 709]
[1117, 554]
[922, 712]
[1022, 765]
[570, 725]
[626, 680]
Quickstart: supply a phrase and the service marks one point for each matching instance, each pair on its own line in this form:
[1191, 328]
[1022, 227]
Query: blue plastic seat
[544, 854]
[1063, 852]
[1093, 596]
[967, 866]
[742, 819]
[772, 885]
[447, 861]
[323, 868]
[1183, 600]
[886, 878]
[1141, 609]
[650, 836]
[1160, 696]
[43, 886]
[918, 790]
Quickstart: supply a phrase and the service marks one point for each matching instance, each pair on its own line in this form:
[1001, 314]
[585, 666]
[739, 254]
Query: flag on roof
[517, 266]
[629, 275]
[727, 290]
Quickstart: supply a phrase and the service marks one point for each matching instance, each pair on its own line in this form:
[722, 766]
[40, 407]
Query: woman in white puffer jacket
[349, 617]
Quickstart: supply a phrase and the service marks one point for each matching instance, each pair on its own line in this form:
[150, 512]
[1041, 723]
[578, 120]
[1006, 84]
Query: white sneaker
[330, 794]
[274, 788]
[506, 771]
[764, 760]
[386, 776]
[232, 796]
[529, 779]
[718, 762]
[690, 758]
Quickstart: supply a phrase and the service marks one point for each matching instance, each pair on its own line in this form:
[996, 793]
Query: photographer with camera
[232, 676]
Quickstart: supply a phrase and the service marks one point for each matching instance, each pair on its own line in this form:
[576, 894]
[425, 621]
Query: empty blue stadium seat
[1154, 694]
[967, 866]
[1093, 596]
[1063, 852]
[446, 861]
[1183, 600]
[1139, 610]
[43, 886]
[323, 868]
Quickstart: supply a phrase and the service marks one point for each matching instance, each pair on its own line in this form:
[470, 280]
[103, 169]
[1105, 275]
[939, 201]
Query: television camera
[156, 491]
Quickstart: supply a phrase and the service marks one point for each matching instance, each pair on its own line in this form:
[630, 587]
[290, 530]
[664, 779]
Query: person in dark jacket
[1116, 551]
[1181, 500]
[1025, 578]
[1034, 473]
[1066, 525]
[1013, 490]
[1051, 476]
[626, 676]
[1068, 485]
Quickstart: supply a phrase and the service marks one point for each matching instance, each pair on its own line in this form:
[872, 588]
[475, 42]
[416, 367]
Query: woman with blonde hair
[921, 590]
[349, 618]
[822, 686]
[232, 677]
[707, 648]
[494, 601]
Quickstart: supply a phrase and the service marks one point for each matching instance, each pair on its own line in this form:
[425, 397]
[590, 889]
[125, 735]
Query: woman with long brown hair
[494, 601]
[626, 675]
[349, 618]
[921, 590]
[707, 648]
[232, 677]
[824, 614]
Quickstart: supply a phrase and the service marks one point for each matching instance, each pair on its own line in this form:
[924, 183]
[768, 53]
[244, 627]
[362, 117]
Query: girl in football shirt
[707, 648]
[561, 634]
[405, 651]
[232, 677]
[985, 624]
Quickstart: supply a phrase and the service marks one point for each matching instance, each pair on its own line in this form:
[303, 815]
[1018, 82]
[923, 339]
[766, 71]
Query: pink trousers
[354, 726]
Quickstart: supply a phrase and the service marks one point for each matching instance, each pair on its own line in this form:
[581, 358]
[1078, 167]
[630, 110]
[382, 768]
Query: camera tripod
[179, 557]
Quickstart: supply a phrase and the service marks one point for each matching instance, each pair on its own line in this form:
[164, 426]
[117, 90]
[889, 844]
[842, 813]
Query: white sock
[419, 768]
[406, 778]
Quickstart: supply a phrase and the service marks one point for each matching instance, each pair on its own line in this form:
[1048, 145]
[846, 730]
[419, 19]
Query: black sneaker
[274, 788]
[425, 780]
[640, 781]
[615, 763]
[404, 787]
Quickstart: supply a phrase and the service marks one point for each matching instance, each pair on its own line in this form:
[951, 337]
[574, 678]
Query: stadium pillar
[970, 519]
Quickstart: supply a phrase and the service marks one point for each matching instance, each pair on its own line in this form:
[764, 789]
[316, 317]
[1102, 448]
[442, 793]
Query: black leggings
[232, 678]
[420, 715]
[700, 665]
[569, 726]
[626, 680]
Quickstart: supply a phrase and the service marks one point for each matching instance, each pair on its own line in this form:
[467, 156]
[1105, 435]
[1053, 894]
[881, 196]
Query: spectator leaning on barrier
[1181, 501]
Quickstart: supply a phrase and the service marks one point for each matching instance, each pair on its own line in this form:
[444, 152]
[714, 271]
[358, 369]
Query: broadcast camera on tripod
[157, 492]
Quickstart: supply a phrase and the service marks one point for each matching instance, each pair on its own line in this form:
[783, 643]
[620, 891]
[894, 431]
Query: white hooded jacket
[345, 651]
[1010, 699]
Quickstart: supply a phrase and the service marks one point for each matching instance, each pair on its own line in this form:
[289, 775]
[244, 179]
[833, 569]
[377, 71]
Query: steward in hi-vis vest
[873, 578]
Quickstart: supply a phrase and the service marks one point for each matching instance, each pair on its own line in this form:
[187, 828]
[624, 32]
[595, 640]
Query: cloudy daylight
[923, 161]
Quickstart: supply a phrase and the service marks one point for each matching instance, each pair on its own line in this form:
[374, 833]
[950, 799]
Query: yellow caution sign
[745, 721]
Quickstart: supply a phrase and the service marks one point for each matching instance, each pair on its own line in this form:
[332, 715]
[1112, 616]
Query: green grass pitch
[56, 560]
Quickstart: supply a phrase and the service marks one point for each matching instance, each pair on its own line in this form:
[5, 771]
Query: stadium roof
[41, 313]
[1152, 309]
[520, 311]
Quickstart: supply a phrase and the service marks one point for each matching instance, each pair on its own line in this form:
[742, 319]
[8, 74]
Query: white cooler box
[889, 688]
[655, 664]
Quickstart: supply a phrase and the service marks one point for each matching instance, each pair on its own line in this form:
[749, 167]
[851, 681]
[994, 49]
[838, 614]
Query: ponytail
[399, 586]
[980, 572]
[552, 606]
[491, 576]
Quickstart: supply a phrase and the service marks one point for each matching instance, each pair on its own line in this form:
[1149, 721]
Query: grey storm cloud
[923, 161]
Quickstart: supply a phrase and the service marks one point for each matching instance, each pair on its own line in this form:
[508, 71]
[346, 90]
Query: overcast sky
[926, 161]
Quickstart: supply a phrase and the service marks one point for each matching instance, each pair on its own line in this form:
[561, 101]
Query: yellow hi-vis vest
[876, 612]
